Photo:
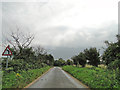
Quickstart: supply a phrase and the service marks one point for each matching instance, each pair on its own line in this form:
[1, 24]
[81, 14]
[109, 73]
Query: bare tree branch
[11, 44]
[20, 40]
[39, 50]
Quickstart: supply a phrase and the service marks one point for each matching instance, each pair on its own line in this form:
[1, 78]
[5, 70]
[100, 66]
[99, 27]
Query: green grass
[94, 77]
[10, 80]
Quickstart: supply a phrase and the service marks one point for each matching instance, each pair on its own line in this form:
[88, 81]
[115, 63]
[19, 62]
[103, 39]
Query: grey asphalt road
[56, 78]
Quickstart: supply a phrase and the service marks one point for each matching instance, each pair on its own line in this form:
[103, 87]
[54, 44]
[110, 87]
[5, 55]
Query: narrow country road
[56, 78]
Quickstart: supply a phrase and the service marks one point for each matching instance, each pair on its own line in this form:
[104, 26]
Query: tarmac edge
[38, 78]
[77, 80]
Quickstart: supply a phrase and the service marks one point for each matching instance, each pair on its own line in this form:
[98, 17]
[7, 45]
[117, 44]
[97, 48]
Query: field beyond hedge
[94, 77]
[21, 79]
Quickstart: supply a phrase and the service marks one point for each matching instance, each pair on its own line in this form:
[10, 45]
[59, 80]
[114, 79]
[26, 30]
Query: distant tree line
[61, 62]
[110, 57]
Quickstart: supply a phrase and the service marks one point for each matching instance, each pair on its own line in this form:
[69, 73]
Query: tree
[39, 50]
[20, 42]
[49, 59]
[69, 62]
[79, 59]
[59, 62]
[56, 63]
[40, 53]
[112, 51]
[111, 56]
[93, 56]
[82, 59]
[75, 60]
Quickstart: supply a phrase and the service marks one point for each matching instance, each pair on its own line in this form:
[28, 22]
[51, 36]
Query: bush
[114, 64]
[118, 75]
[59, 62]
[20, 64]
[22, 78]
[69, 62]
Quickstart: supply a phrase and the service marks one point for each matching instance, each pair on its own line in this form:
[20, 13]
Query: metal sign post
[7, 60]
[7, 63]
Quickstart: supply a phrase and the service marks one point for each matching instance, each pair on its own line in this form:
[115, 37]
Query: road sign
[7, 51]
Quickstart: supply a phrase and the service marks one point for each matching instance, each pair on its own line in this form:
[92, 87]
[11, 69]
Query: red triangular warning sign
[7, 51]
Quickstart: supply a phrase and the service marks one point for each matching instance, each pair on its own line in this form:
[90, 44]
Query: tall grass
[21, 79]
[94, 77]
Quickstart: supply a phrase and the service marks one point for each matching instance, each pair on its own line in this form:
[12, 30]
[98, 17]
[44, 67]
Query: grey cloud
[60, 39]
[64, 52]
[68, 49]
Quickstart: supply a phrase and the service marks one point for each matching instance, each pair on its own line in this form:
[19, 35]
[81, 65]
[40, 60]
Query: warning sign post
[7, 52]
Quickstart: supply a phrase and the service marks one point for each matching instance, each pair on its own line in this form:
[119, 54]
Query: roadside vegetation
[22, 78]
[101, 71]
[27, 63]
[94, 77]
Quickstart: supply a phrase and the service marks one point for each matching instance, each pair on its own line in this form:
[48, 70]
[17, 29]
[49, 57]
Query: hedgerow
[21, 79]
[94, 77]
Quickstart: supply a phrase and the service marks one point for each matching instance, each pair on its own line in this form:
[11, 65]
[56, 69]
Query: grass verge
[94, 77]
[21, 79]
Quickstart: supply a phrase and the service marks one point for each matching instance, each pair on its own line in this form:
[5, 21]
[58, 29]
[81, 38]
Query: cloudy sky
[63, 27]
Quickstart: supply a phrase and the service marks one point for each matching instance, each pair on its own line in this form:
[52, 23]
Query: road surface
[56, 78]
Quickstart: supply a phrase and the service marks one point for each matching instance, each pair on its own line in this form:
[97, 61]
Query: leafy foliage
[79, 59]
[27, 60]
[93, 56]
[75, 60]
[82, 59]
[114, 65]
[89, 54]
[21, 79]
[111, 56]
[49, 59]
[69, 62]
[111, 53]
[24, 56]
[59, 62]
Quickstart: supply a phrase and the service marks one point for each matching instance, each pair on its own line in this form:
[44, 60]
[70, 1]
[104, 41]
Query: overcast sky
[64, 27]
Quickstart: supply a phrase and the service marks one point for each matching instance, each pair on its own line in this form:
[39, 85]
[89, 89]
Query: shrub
[114, 64]
[20, 64]
[118, 75]
[20, 79]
